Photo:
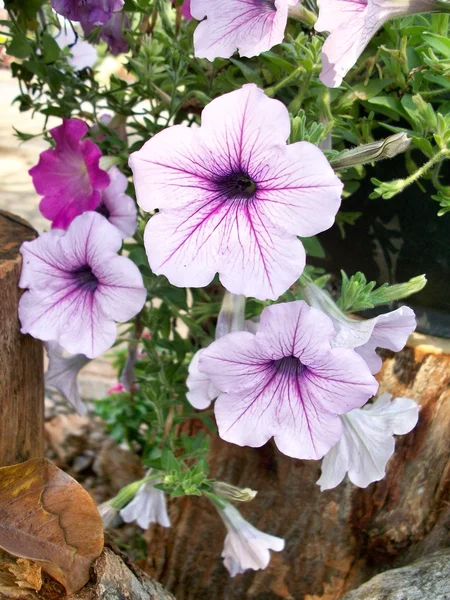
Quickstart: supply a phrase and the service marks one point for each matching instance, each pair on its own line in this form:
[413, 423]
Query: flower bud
[387, 148]
[232, 315]
[233, 493]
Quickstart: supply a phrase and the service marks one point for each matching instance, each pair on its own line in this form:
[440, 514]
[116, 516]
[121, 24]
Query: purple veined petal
[70, 279]
[189, 246]
[120, 292]
[291, 387]
[301, 201]
[249, 26]
[367, 442]
[118, 207]
[352, 23]
[217, 209]
[201, 391]
[62, 374]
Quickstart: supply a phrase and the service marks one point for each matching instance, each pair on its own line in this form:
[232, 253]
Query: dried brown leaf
[46, 516]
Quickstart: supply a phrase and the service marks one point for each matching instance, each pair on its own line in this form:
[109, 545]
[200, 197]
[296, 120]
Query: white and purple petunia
[233, 197]
[352, 23]
[118, 207]
[112, 32]
[78, 287]
[69, 176]
[390, 330]
[249, 26]
[245, 547]
[147, 507]
[368, 442]
[94, 12]
[62, 374]
[286, 382]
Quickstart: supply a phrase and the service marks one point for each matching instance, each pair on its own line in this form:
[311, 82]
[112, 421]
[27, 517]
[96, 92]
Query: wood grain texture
[335, 540]
[21, 356]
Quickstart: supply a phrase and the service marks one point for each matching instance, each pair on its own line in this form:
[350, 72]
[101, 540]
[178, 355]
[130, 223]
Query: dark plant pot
[395, 240]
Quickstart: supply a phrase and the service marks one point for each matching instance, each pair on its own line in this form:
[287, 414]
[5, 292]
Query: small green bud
[387, 148]
[233, 493]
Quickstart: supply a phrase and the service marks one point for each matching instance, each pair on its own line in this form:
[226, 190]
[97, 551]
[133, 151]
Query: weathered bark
[335, 540]
[21, 359]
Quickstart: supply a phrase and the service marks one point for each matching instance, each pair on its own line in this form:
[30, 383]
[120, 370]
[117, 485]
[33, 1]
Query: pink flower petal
[232, 197]
[249, 26]
[286, 382]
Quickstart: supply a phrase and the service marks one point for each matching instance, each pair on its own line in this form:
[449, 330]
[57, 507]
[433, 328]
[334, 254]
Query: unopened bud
[233, 493]
[387, 148]
[398, 291]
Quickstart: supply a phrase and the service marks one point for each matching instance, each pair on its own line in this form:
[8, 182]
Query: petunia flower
[186, 9]
[245, 547]
[112, 32]
[249, 26]
[233, 197]
[352, 23]
[390, 330]
[286, 382]
[83, 54]
[201, 390]
[116, 206]
[148, 506]
[368, 441]
[94, 12]
[69, 176]
[62, 374]
[78, 287]
[117, 388]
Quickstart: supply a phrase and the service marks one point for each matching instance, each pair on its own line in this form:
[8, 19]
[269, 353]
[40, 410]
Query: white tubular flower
[62, 374]
[368, 441]
[245, 547]
[148, 506]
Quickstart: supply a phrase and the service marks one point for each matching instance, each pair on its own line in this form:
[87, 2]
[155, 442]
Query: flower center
[289, 365]
[236, 186]
[267, 5]
[85, 278]
[103, 210]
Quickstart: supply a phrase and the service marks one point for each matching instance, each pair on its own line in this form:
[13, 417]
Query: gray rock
[425, 579]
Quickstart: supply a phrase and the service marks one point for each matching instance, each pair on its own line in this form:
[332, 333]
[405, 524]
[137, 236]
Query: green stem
[442, 154]
[271, 91]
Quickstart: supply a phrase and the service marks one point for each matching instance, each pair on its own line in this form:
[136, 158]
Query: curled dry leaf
[46, 516]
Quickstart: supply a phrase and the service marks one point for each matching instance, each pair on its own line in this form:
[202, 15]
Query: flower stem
[271, 91]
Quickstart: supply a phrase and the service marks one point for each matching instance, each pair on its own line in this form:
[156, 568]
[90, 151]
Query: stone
[425, 579]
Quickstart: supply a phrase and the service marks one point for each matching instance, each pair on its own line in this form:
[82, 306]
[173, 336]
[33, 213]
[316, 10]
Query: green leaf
[313, 247]
[50, 48]
[19, 47]
[438, 42]
[388, 105]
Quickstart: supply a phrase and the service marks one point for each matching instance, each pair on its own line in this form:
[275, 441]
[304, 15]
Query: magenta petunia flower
[233, 197]
[69, 176]
[368, 441]
[94, 12]
[390, 330]
[249, 26]
[116, 206]
[78, 286]
[352, 23]
[286, 382]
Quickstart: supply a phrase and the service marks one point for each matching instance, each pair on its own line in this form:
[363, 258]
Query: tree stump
[21, 357]
[335, 540]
